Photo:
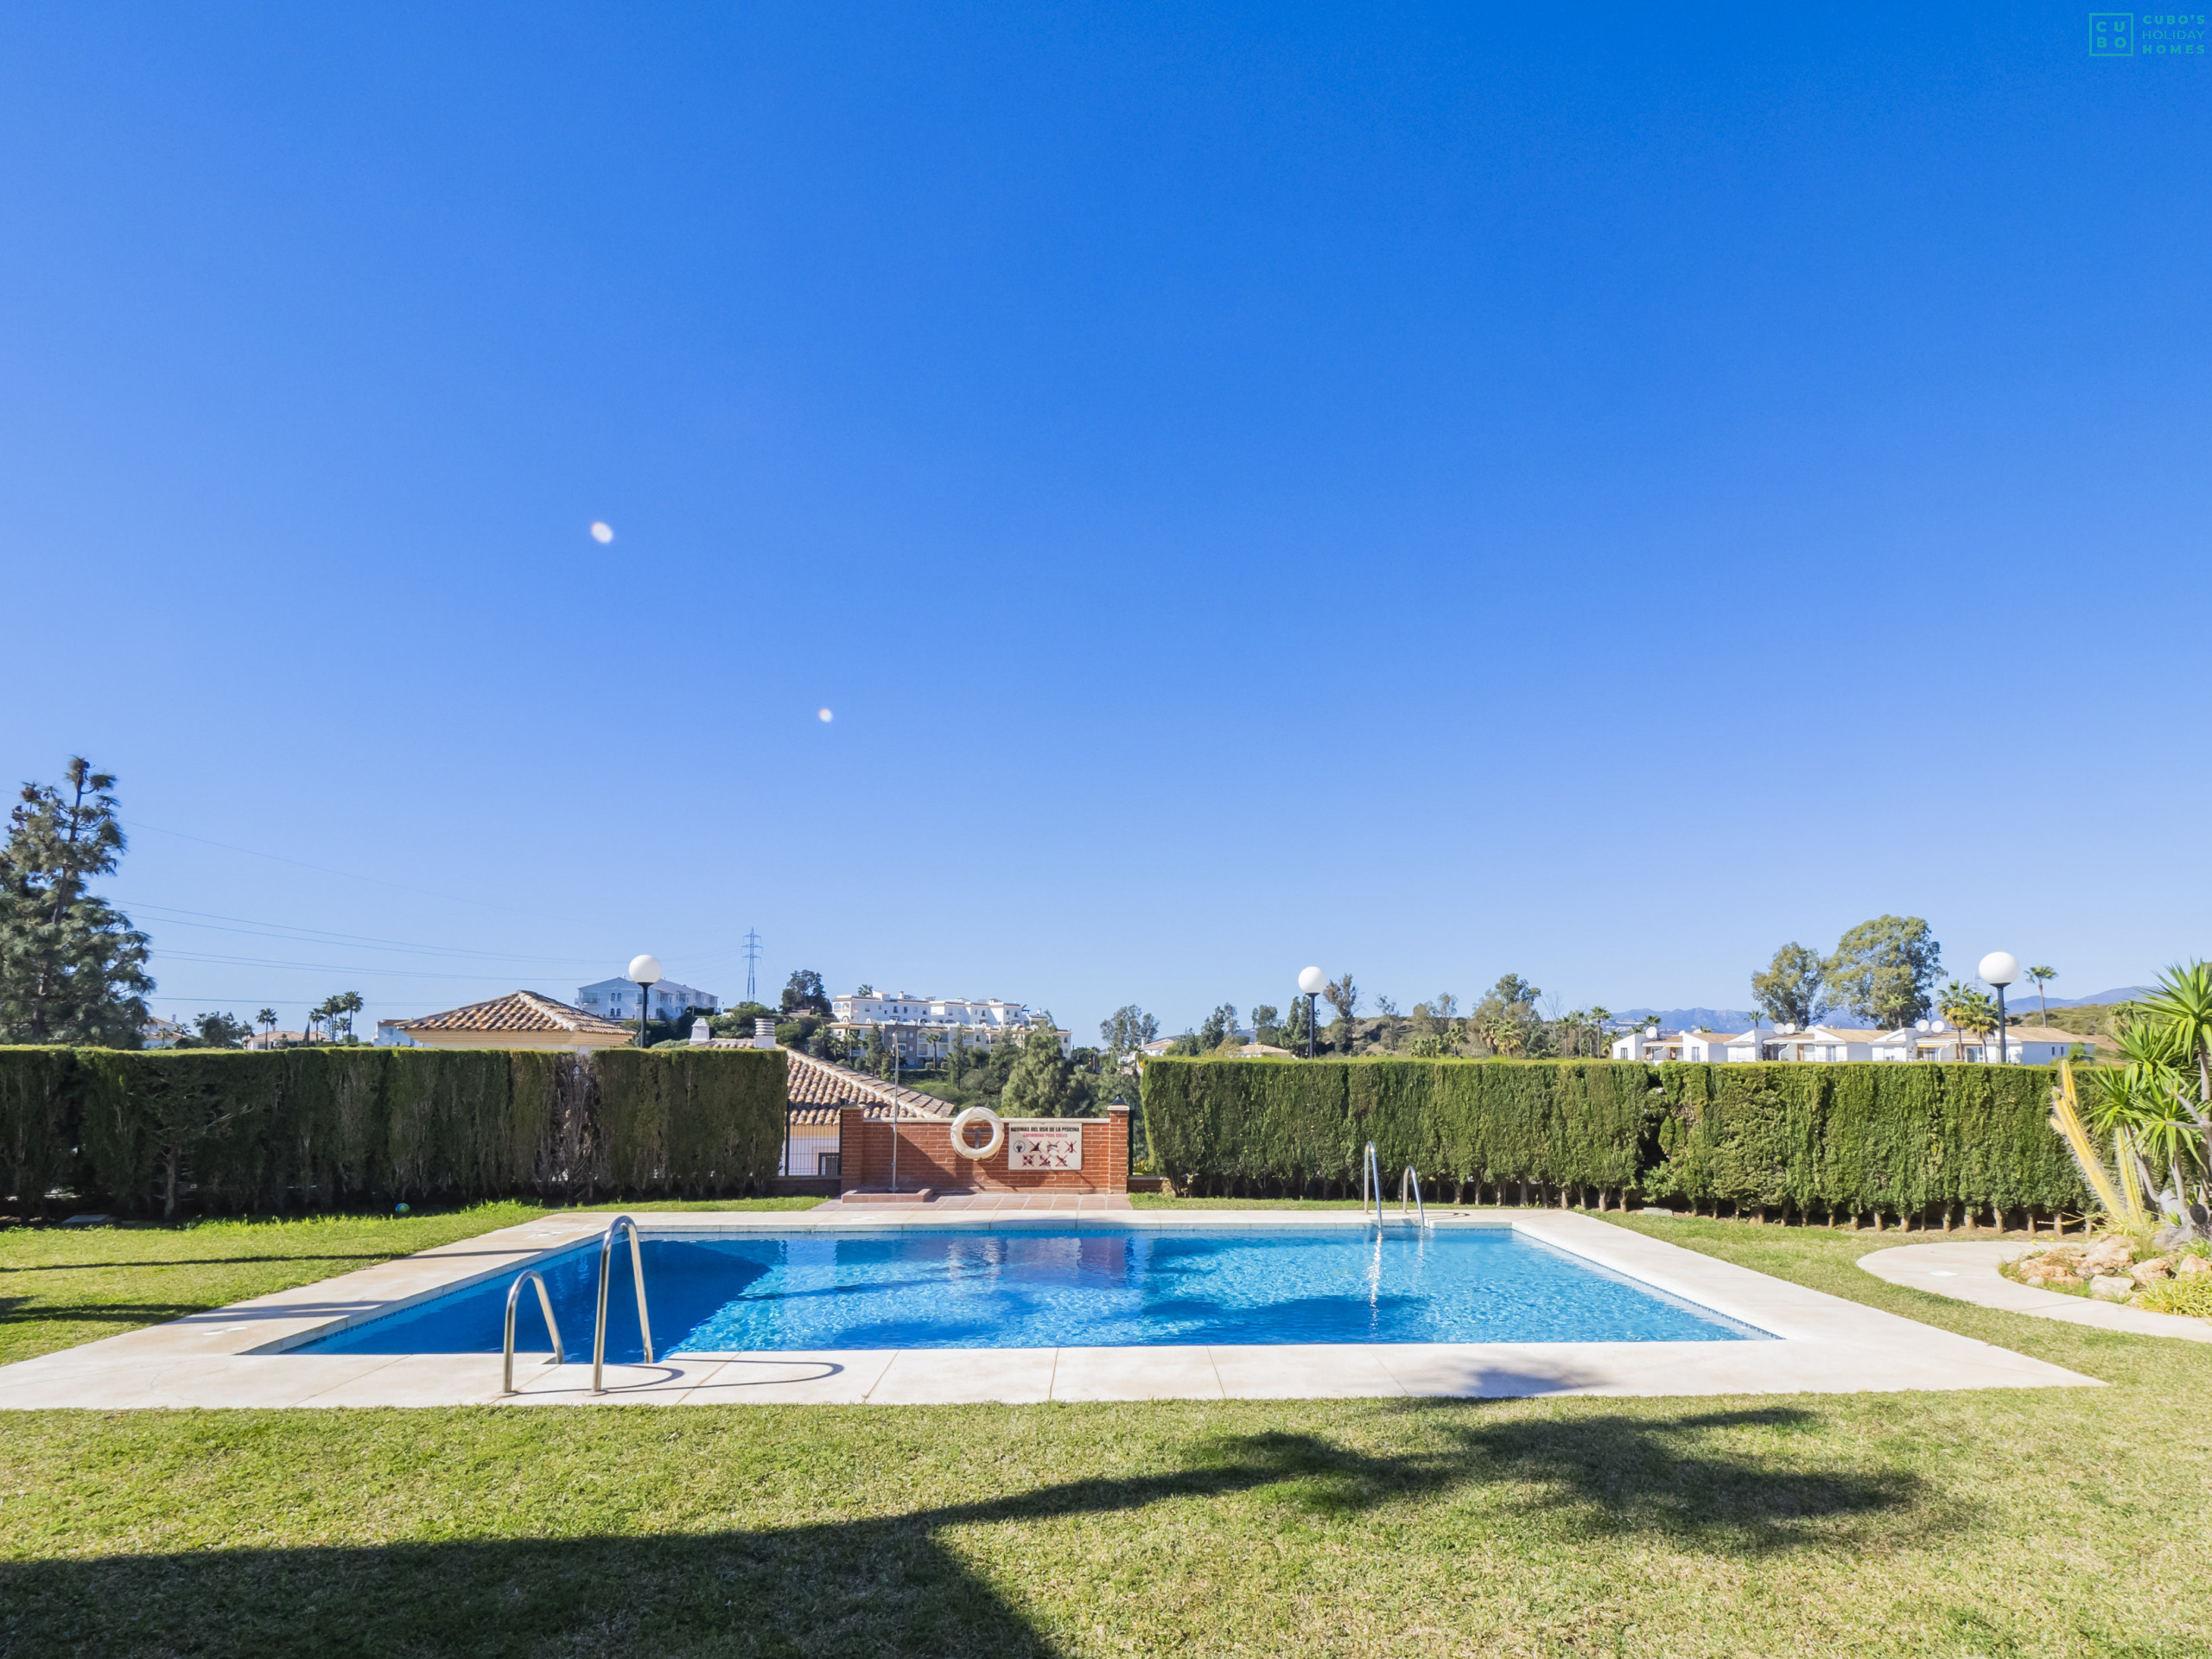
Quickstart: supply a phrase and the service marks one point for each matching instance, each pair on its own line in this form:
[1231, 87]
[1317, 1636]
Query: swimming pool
[950, 1287]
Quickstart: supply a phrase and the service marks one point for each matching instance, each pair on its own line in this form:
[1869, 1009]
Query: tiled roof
[818, 1086]
[523, 1011]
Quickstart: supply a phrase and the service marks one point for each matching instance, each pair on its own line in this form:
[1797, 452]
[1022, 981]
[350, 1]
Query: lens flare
[824, 715]
[602, 533]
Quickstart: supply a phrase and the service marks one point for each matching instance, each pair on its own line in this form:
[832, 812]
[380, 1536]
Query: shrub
[1855, 1138]
[1567, 1122]
[326, 1126]
[2190, 1295]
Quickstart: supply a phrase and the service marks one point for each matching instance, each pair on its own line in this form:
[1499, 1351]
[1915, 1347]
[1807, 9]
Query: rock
[2111, 1287]
[2108, 1255]
[2051, 1276]
[2151, 1272]
[2189, 1266]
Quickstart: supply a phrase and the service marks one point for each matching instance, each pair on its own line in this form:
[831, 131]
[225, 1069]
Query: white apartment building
[1932, 1039]
[1651, 1046]
[617, 999]
[1927, 1040]
[921, 1029]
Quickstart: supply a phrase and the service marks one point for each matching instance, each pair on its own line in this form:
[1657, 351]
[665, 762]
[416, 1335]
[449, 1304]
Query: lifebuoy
[962, 1120]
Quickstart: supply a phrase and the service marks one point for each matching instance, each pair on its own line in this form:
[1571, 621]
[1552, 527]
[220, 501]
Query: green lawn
[2012, 1523]
[61, 1286]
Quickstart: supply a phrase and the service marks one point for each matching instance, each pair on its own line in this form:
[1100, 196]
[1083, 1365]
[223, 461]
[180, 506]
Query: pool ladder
[545, 1303]
[598, 1327]
[1370, 1190]
[1410, 1181]
[638, 1271]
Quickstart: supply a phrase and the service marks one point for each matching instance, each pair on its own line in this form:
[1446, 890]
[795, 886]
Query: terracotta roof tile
[818, 1083]
[523, 1011]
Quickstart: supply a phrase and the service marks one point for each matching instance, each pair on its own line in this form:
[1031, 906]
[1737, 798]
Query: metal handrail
[545, 1302]
[638, 1268]
[1370, 1183]
[1412, 1177]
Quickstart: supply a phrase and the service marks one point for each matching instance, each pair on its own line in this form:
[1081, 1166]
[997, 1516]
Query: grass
[61, 1286]
[2048, 1522]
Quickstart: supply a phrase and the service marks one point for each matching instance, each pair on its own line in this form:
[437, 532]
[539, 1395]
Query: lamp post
[645, 974]
[2000, 969]
[1312, 982]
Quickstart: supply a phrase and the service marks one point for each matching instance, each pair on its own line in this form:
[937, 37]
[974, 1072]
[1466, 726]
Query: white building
[158, 1033]
[617, 999]
[922, 1029]
[1651, 1046]
[1929, 1040]
[1932, 1039]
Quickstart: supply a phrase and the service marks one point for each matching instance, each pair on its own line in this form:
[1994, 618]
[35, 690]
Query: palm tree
[1970, 1010]
[2184, 997]
[267, 1017]
[2043, 976]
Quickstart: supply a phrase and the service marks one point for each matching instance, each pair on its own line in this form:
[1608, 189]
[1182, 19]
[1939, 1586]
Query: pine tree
[72, 970]
[1037, 1085]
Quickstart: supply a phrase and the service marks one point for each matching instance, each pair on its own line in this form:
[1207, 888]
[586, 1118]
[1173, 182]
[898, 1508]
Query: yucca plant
[2147, 1100]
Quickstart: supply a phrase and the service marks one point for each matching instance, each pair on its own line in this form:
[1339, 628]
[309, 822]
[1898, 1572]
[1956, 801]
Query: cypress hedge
[1865, 1138]
[328, 1126]
[1850, 1139]
[1291, 1123]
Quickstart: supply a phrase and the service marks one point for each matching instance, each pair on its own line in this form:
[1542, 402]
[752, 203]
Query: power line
[325, 869]
[170, 916]
[329, 967]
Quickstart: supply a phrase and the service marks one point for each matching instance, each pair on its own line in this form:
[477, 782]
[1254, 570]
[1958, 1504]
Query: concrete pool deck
[237, 1355]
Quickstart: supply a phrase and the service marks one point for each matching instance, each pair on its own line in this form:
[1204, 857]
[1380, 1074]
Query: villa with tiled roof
[520, 1019]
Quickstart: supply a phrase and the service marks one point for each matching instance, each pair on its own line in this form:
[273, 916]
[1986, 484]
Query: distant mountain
[2023, 995]
[1685, 1019]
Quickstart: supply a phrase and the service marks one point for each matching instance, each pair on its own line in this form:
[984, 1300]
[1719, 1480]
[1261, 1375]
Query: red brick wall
[926, 1158]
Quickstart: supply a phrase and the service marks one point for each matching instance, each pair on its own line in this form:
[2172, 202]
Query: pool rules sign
[1045, 1145]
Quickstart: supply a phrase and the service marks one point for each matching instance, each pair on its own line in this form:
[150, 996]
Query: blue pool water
[1053, 1288]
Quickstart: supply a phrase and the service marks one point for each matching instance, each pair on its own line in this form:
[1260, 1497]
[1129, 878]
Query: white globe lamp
[645, 974]
[2000, 969]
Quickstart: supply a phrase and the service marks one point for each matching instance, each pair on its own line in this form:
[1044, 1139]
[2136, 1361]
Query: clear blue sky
[1422, 492]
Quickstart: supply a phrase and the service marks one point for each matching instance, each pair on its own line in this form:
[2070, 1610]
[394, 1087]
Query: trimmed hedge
[1568, 1122]
[1850, 1138]
[323, 1127]
[1865, 1137]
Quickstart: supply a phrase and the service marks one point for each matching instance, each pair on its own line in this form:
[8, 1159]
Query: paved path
[1967, 1273]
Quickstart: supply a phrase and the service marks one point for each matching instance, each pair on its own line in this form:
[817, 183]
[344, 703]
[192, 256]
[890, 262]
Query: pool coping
[244, 1355]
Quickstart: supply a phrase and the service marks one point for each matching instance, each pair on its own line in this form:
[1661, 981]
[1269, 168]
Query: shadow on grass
[201, 1262]
[1620, 1474]
[889, 1585]
[24, 1310]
